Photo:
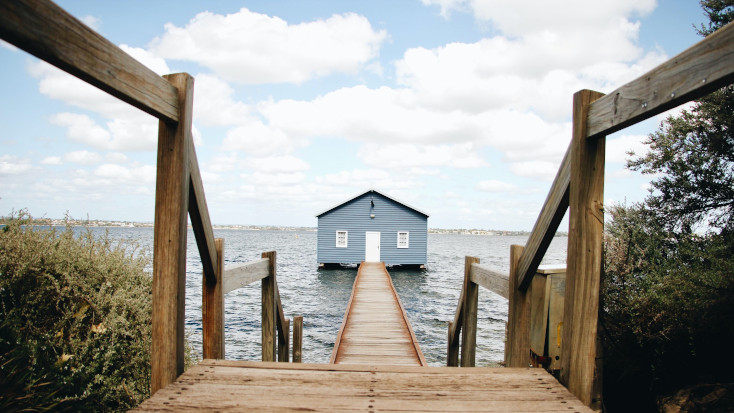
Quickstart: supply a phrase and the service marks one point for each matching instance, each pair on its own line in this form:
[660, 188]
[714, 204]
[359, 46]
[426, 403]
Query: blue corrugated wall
[390, 217]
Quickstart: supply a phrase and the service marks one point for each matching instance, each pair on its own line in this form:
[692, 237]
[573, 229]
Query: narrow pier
[375, 329]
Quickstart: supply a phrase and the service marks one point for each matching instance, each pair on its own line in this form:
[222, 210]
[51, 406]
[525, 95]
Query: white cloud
[83, 157]
[119, 134]
[93, 22]
[617, 148]
[154, 63]
[8, 46]
[214, 103]
[13, 165]
[254, 48]
[121, 175]
[51, 160]
[543, 170]
[494, 185]
[260, 140]
[276, 164]
[407, 156]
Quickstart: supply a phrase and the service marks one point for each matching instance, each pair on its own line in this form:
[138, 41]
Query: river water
[429, 296]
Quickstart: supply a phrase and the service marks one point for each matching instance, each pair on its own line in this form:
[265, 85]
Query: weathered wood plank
[492, 280]
[48, 32]
[245, 274]
[586, 225]
[199, 215]
[169, 240]
[297, 338]
[550, 217]
[246, 386]
[517, 347]
[375, 328]
[269, 312]
[701, 69]
[469, 332]
[212, 309]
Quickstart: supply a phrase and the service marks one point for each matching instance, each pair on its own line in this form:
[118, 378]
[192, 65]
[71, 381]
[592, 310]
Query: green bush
[666, 300]
[76, 333]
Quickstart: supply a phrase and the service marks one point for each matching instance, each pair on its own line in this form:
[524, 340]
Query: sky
[460, 108]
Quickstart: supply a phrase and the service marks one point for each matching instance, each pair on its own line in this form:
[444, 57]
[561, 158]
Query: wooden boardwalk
[222, 385]
[375, 329]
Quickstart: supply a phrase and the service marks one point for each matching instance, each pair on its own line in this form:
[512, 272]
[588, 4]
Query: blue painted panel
[390, 217]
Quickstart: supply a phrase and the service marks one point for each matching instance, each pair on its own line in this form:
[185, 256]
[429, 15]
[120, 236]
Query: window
[403, 239]
[341, 239]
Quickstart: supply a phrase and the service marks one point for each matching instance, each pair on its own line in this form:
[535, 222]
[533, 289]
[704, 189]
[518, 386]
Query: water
[429, 296]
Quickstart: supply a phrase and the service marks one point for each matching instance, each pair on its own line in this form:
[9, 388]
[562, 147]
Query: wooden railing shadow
[46, 31]
[579, 188]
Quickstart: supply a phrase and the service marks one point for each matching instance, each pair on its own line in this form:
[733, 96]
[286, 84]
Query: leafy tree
[668, 289]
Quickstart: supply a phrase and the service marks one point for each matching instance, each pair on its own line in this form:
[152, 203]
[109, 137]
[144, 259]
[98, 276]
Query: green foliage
[77, 318]
[667, 299]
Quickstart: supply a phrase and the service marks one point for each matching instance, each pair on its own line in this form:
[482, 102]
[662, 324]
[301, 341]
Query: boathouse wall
[372, 211]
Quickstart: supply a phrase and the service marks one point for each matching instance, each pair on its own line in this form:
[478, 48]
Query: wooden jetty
[45, 30]
[223, 385]
[376, 329]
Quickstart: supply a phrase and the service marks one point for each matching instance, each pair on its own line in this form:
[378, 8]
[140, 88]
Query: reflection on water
[429, 296]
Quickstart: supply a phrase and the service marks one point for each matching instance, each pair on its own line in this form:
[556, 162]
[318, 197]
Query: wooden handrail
[245, 274]
[697, 71]
[48, 32]
[492, 280]
[200, 222]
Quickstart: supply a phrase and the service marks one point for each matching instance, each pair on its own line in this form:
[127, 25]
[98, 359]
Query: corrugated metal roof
[377, 192]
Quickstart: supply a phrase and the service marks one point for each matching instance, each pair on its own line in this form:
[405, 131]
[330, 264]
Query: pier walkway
[375, 329]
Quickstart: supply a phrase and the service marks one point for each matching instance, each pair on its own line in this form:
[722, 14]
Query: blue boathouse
[372, 227]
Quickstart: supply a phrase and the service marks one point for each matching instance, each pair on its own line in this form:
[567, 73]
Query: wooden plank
[212, 309]
[697, 71]
[555, 318]
[283, 345]
[169, 240]
[297, 338]
[539, 303]
[268, 310]
[199, 215]
[517, 347]
[375, 328]
[494, 281]
[245, 274]
[48, 32]
[586, 226]
[554, 208]
[452, 353]
[248, 386]
[469, 332]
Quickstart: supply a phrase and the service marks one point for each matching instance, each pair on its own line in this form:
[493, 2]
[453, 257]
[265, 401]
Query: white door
[372, 247]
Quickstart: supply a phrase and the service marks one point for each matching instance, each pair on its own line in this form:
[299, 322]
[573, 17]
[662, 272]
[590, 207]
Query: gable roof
[377, 192]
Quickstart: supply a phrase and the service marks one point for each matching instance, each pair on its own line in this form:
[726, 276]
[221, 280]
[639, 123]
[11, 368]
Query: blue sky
[460, 108]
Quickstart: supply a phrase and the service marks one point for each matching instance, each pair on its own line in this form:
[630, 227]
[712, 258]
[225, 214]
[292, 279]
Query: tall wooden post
[469, 332]
[586, 224]
[169, 239]
[212, 308]
[297, 338]
[269, 311]
[517, 347]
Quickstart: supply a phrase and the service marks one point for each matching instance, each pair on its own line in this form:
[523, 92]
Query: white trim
[346, 239]
[407, 239]
[377, 192]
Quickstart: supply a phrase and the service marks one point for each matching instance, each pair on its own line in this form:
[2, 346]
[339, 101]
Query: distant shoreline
[131, 224]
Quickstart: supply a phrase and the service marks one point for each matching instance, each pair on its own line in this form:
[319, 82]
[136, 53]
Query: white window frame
[407, 239]
[346, 239]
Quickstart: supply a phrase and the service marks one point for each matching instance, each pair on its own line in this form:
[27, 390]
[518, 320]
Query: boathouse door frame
[372, 246]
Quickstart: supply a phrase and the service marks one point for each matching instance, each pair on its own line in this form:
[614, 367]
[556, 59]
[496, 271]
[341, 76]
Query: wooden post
[452, 353]
[284, 341]
[212, 308]
[586, 224]
[269, 311]
[469, 332]
[169, 240]
[297, 337]
[517, 347]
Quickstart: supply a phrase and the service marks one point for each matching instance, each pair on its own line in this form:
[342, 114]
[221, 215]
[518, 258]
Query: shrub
[77, 315]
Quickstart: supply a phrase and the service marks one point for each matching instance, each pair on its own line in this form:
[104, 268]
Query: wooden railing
[43, 29]
[274, 323]
[579, 187]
